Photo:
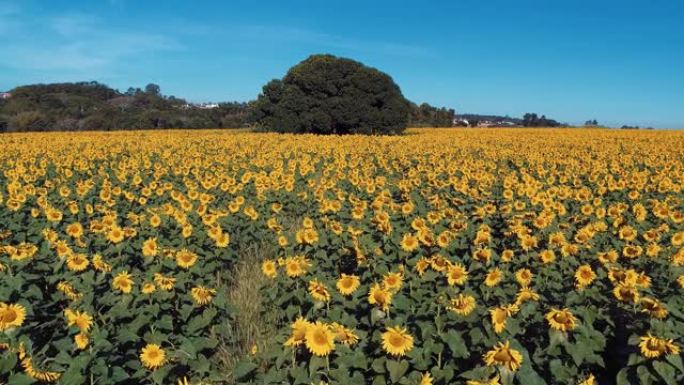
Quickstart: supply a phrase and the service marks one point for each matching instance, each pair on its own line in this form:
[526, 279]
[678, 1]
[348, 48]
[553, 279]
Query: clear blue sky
[620, 62]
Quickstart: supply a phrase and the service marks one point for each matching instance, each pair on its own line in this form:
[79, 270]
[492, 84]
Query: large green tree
[325, 94]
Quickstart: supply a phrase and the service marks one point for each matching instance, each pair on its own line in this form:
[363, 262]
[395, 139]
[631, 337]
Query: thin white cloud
[74, 42]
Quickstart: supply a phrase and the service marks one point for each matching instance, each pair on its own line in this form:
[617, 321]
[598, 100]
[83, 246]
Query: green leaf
[243, 368]
[622, 377]
[676, 361]
[20, 379]
[456, 344]
[397, 369]
[665, 371]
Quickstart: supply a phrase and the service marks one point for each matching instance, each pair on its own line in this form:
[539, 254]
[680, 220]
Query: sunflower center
[8, 316]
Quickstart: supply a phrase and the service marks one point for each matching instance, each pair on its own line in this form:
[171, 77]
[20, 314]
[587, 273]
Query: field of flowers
[446, 256]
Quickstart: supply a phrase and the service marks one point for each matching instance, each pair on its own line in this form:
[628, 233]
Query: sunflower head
[397, 341]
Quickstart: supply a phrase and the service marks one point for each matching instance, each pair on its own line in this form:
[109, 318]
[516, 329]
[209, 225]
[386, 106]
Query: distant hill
[95, 106]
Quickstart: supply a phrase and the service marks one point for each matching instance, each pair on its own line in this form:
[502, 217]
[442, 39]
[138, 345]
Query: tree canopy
[325, 94]
[94, 106]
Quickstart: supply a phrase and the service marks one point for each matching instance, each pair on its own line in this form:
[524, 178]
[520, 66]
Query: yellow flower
[462, 305]
[123, 282]
[299, 329]
[152, 356]
[409, 242]
[185, 258]
[426, 379]
[81, 340]
[149, 248]
[148, 288]
[81, 320]
[268, 268]
[165, 283]
[562, 320]
[457, 274]
[584, 276]
[380, 297]
[11, 315]
[503, 355]
[115, 234]
[392, 281]
[397, 341]
[347, 284]
[318, 291]
[589, 380]
[319, 339]
[524, 277]
[202, 295]
[654, 347]
[653, 307]
[493, 277]
[77, 262]
[344, 335]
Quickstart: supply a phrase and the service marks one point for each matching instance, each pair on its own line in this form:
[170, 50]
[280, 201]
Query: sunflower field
[443, 256]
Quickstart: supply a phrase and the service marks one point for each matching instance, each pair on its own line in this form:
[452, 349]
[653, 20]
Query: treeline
[425, 115]
[87, 106]
[93, 106]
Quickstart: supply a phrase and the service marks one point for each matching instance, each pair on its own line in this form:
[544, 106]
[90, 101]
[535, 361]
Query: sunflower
[123, 282]
[584, 276]
[493, 277]
[100, 265]
[294, 267]
[75, 230]
[319, 339]
[164, 282]
[626, 293]
[589, 380]
[503, 355]
[654, 347]
[547, 256]
[269, 268]
[318, 291]
[422, 265]
[653, 308]
[347, 284]
[299, 328]
[81, 320]
[40, 375]
[77, 262]
[344, 335]
[115, 234]
[380, 297]
[202, 295]
[186, 258]
[523, 277]
[396, 341]
[11, 315]
[526, 294]
[393, 281]
[462, 305]
[426, 379]
[152, 356]
[457, 274]
[81, 340]
[150, 248]
[562, 320]
[148, 288]
[409, 242]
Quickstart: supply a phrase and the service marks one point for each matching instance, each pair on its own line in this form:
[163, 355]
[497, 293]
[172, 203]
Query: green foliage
[88, 106]
[325, 94]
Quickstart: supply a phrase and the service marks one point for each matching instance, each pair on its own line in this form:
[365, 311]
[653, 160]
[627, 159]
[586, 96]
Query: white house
[5, 95]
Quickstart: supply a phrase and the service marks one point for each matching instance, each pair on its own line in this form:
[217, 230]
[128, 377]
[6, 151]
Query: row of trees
[94, 106]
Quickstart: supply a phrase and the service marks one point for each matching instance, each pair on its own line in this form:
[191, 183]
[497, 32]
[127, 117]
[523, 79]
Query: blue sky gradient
[616, 61]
